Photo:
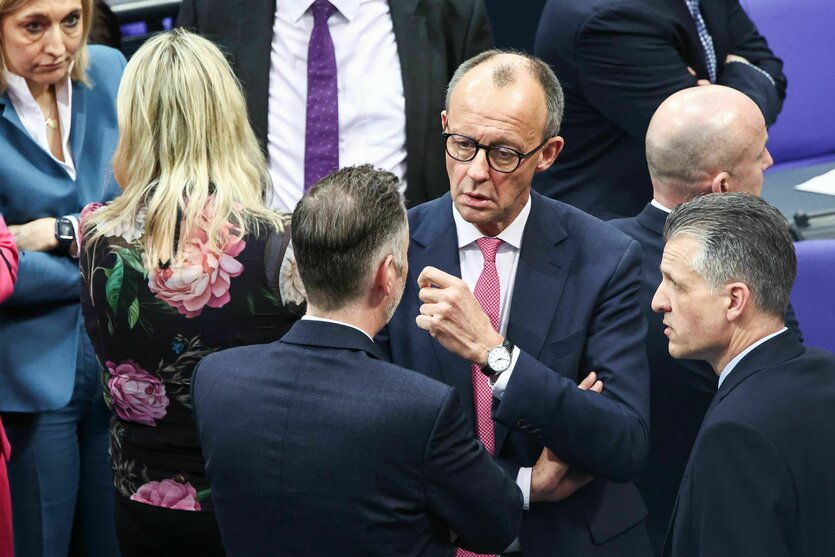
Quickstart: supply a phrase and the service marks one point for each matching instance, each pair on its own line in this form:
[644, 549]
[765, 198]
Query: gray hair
[505, 74]
[343, 228]
[742, 238]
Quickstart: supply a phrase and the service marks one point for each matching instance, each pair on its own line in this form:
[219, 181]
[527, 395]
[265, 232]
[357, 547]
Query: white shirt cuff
[523, 480]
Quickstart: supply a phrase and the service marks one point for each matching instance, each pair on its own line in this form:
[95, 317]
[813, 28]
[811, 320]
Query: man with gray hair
[518, 301]
[314, 446]
[759, 480]
[700, 140]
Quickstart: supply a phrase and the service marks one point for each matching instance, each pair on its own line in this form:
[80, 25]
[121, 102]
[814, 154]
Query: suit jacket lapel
[435, 243]
[10, 114]
[79, 120]
[413, 48]
[252, 59]
[544, 265]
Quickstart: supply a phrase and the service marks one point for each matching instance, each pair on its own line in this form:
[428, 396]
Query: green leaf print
[133, 313]
[114, 284]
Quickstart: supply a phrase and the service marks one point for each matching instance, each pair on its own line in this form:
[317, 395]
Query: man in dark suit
[536, 295]
[430, 38]
[701, 140]
[618, 60]
[759, 480]
[313, 445]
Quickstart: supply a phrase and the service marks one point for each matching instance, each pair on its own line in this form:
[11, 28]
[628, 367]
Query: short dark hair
[342, 228]
[742, 238]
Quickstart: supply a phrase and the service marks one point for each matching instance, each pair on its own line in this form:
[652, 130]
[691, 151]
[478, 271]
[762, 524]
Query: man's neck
[743, 337]
[368, 321]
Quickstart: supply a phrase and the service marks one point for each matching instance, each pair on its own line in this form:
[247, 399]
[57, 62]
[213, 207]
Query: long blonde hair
[185, 144]
[82, 57]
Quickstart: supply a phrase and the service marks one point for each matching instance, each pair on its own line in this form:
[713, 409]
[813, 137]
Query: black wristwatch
[498, 359]
[64, 234]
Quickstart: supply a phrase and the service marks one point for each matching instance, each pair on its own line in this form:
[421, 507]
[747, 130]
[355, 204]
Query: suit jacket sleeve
[753, 47]
[626, 67]
[742, 493]
[479, 502]
[479, 36]
[605, 435]
[45, 278]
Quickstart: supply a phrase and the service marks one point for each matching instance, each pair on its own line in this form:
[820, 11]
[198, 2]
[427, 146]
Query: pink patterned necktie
[321, 142]
[488, 294]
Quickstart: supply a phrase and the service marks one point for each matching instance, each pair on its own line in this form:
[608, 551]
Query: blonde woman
[57, 136]
[187, 261]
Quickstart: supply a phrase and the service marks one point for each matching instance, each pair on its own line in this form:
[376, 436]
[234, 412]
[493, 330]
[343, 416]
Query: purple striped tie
[321, 142]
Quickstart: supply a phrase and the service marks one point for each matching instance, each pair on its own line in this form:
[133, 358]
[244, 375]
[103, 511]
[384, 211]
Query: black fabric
[147, 531]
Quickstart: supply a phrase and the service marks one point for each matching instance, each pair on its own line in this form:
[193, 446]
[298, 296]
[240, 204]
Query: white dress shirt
[372, 106]
[34, 120]
[507, 261]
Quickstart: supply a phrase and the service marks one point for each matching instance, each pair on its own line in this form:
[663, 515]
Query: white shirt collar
[657, 205]
[297, 8]
[732, 364]
[512, 235]
[324, 320]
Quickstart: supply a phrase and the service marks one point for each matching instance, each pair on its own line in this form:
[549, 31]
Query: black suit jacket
[433, 38]
[760, 481]
[314, 446]
[617, 61]
[575, 309]
[680, 390]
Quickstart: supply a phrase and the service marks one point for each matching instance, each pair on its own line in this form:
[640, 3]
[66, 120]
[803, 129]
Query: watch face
[498, 359]
[65, 230]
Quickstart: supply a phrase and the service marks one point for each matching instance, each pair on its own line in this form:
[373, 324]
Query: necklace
[51, 123]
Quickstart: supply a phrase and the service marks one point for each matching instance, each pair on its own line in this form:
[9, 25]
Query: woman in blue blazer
[57, 136]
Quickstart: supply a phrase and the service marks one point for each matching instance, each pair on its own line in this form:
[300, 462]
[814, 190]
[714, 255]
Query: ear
[738, 300]
[443, 120]
[550, 153]
[720, 183]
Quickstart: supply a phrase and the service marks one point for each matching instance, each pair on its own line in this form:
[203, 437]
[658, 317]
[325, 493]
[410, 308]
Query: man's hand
[736, 58]
[552, 479]
[37, 235]
[452, 315]
[699, 82]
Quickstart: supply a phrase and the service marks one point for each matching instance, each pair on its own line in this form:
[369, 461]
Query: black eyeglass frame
[488, 148]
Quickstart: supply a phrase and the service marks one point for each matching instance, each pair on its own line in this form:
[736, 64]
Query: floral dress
[151, 329]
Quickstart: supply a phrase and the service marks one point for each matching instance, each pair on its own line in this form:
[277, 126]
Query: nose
[660, 302]
[478, 169]
[767, 160]
[54, 41]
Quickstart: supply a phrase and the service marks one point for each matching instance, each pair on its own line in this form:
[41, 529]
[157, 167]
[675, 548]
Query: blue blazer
[575, 309]
[681, 389]
[315, 446]
[759, 480]
[40, 325]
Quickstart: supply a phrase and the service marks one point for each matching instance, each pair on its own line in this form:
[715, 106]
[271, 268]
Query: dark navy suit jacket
[575, 309]
[760, 479]
[314, 446]
[680, 390]
[617, 61]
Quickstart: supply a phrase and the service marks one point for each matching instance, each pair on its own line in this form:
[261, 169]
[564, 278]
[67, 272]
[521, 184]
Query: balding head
[706, 139]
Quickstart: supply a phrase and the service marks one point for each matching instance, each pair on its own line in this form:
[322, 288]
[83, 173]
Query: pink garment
[8, 274]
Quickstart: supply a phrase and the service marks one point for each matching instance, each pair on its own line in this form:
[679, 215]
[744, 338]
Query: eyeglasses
[500, 159]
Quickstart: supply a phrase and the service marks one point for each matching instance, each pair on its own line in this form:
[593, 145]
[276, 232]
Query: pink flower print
[168, 494]
[137, 395]
[199, 276]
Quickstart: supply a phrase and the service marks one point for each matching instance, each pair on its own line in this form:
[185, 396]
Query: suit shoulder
[420, 385]
[106, 66]
[429, 209]
[585, 228]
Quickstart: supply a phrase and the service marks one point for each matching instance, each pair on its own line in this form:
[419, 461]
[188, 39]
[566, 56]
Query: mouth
[476, 200]
[52, 67]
